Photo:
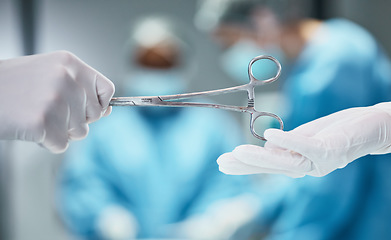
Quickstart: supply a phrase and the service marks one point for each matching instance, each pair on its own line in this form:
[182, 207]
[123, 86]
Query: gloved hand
[318, 147]
[50, 98]
[221, 220]
[117, 223]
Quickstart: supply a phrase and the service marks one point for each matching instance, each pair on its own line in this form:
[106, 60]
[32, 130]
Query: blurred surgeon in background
[329, 66]
[151, 172]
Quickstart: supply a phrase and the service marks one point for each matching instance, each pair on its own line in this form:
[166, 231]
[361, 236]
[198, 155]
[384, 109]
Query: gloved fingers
[312, 128]
[76, 98]
[105, 90]
[272, 158]
[99, 89]
[88, 79]
[270, 145]
[78, 131]
[228, 164]
[325, 123]
[56, 127]
[98, 98]
[294, 142]
[108, 111]
[85, 76]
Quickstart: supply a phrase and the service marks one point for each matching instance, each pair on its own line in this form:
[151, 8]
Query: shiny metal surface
[166, 100]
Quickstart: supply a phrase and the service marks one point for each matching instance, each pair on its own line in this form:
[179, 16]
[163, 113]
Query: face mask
[151, 82]
[235, 60]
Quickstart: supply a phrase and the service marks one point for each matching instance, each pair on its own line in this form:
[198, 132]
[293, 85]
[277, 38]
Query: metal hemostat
[166, 100]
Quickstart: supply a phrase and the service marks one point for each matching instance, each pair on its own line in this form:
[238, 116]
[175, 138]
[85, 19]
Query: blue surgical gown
[342, 66]
[160, 167]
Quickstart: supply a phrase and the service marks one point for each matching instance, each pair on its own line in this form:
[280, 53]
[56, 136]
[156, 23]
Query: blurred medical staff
[332, 65]
[151, 172]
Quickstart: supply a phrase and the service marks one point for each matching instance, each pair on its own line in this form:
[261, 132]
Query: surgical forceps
[165, 100]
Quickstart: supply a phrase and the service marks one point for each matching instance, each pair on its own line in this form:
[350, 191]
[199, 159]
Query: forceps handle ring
[253, 79]
[256, 115]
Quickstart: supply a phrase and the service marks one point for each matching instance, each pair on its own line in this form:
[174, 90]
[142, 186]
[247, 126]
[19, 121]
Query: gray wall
[96, 30]
[10, 40]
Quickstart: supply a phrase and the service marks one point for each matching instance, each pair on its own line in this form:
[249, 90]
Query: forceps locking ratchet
[167, 100]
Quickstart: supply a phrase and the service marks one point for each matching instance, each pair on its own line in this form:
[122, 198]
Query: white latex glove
[50, 98]
[221, 220]
[318, 147]
[117, 223]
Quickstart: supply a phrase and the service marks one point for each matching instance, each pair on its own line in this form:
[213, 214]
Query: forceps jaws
[164, 99]
[161, 101]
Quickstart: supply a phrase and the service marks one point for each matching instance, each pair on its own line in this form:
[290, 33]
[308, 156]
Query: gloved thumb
[105, 91]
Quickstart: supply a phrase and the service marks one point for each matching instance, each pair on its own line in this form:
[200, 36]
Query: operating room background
[96, 31]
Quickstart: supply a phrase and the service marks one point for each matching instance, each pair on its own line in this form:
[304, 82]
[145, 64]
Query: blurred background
[97, 31]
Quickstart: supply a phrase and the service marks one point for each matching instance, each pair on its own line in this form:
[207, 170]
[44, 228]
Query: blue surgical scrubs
[158, 164]
[341, 67]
